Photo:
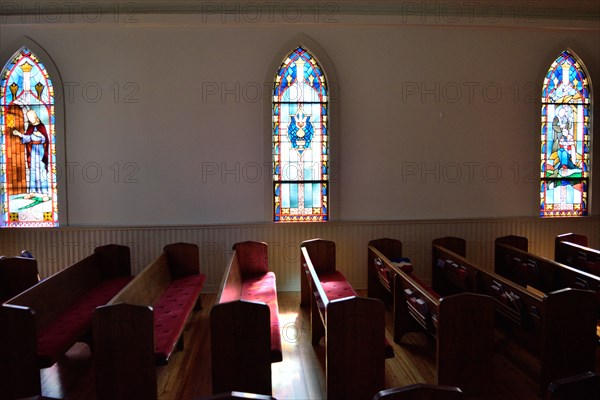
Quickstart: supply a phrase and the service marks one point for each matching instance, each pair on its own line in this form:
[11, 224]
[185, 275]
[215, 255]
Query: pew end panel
[465, 342]
[569, 334]
[124, 352]
[17, 274]
[18, 358]
[355, 360]
[241, 347]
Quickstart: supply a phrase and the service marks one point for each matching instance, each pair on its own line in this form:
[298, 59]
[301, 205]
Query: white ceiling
[563, 9]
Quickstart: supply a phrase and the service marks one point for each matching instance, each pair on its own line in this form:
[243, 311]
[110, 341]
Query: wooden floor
[300, 375]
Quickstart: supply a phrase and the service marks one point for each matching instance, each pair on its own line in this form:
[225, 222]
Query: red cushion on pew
[171, 311]
[60, 334]
[336, 286]
[262, 288]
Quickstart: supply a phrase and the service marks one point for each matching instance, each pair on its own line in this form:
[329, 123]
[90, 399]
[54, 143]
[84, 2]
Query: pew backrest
[322, 255]
[69, 285]
[571, 249]
[16, 275]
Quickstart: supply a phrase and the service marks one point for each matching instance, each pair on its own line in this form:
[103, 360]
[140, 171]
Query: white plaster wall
[436, 118]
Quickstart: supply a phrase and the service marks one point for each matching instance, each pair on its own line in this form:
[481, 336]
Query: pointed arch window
[300, 140]
[28, 190]
[566, 130]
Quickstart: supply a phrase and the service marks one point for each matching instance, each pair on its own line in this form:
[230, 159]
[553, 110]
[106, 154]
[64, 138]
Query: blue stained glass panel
[28, 190]
[300, 139]
[565, 139]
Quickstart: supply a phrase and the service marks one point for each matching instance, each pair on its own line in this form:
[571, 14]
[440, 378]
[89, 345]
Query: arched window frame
[326, 67]
[565, 146]
[57, 158]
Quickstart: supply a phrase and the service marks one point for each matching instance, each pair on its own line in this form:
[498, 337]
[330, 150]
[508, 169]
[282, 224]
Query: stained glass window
[300, 140]
[565, 164]
[28, 194]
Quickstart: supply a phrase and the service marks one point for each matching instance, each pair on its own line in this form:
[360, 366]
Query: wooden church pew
[40, 324]
[571, 249]
[462, 325]
[514, 262]
[142, 326]
[353, 326]
[557, 327]
[245, 323]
